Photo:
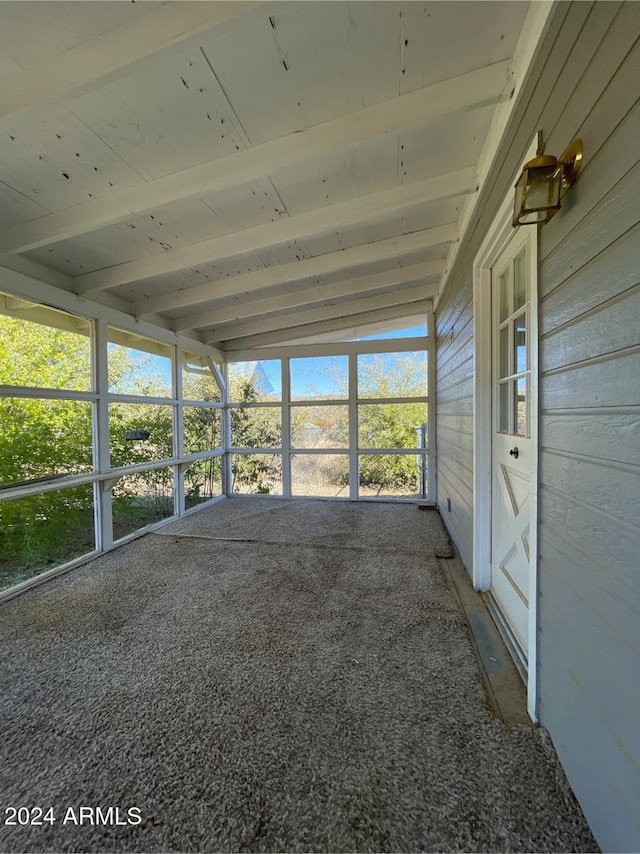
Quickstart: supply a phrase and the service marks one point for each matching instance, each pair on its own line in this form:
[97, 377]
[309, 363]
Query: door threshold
[502, 681]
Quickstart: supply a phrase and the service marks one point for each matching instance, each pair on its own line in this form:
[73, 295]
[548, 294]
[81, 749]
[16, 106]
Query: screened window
[42, 347]
[320, 378]
[139, 366]
[255, 382]
[198, 379]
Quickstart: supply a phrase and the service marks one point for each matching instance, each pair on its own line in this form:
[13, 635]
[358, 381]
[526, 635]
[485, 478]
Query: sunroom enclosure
[110, 427]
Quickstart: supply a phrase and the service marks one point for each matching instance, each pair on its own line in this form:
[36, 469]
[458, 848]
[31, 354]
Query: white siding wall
[589, 537]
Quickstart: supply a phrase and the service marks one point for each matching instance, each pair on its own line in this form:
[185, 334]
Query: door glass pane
[504, 369]
[503, 408]
[520, 343]
[520, 398]
[503, 295]
[520, 280]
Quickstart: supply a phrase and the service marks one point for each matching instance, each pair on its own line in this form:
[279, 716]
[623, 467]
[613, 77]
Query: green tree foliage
[254, 427]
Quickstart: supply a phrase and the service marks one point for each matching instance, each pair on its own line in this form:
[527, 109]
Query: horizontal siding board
[452, 441]
[460, 465]
[456, 368]
[590, 482]
[587, 763]
[601, 169]
[615, 214]
[611, 326]
[613, 712]
[459, 520]
[448, 347]
[593, 532]
[590, 41]
[612, 381]
[461, 406]
[612, 273]
[580, 115]
[589, 599]
[460, 489]
[603, 435]
[461, 390]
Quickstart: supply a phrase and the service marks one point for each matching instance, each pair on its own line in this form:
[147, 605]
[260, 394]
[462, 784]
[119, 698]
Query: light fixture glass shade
[537, 191]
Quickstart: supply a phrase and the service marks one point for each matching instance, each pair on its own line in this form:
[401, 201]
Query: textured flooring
[267, 676]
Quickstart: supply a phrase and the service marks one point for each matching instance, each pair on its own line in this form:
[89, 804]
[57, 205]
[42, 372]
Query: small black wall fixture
[543, 183]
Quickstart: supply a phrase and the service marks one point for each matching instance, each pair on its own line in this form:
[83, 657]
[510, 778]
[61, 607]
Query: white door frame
[494, 243]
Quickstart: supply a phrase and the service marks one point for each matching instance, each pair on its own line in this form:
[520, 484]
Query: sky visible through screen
[322, 376]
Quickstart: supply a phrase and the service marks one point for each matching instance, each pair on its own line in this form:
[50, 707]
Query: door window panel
[520, 343]
[503, 295]
[503, 408]
[520, 399]
[520, 280]
[503, 353]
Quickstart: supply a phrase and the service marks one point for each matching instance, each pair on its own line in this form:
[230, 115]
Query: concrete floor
[267, 675]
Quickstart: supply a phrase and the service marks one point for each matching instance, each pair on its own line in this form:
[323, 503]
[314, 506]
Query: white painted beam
[330, 262]
[416, 109]
[296, 333]
[334, 347]
[326, 310]
[373, 207]
[244, 308]
[110, 56]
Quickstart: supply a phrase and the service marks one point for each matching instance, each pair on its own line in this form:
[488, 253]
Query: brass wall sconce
[543, 183]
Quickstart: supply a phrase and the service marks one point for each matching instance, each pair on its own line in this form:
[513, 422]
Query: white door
[514, 301]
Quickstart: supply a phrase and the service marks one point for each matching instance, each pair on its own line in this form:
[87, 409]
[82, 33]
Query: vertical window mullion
[354, 486]
[178, 433]
[105, 514]
[286, 428]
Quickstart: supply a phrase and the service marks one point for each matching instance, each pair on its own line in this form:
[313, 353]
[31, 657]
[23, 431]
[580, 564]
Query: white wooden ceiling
[248, 173]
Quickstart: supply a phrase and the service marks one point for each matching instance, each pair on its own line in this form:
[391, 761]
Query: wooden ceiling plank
[372, 207]
[112, 54]
[331, 262]
[322, 311]
[245, 308]
[294, 333]
[408, 112]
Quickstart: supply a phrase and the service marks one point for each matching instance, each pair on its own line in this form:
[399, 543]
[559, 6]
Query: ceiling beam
[337, 344]
[408, 112]
[393, 248]
[324, 310]
[111, 55]
[373, 207]
[295, 333]
[244, 308]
